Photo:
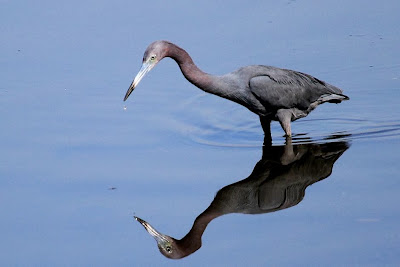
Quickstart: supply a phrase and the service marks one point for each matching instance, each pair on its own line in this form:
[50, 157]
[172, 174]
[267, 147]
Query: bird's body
[272, 93]
[264, 90]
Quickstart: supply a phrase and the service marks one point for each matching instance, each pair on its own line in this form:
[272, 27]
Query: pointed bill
[153, 232]
[146, 67]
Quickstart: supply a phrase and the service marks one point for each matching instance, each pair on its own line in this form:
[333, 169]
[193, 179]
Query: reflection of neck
[192, 241]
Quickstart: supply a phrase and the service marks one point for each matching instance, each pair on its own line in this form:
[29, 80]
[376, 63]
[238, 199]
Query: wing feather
[279, 88]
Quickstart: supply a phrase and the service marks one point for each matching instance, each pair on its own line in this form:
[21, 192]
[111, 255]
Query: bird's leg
[285, 117]
[266, 126]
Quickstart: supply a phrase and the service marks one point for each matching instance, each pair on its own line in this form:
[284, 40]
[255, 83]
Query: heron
[275, 94]
[278, 181]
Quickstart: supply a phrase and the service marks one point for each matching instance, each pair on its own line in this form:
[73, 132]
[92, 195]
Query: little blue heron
[278, 181]
[272, 93]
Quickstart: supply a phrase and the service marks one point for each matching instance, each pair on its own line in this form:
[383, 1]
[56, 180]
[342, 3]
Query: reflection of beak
[146, 67]
[160, 238]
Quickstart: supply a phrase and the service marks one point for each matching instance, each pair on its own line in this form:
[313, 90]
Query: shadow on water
[278, 182]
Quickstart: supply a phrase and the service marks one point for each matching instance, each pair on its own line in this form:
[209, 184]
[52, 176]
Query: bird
[274, 94]
[278, 181]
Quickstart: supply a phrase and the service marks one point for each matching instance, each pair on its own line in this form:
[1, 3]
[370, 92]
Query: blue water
[77, 163]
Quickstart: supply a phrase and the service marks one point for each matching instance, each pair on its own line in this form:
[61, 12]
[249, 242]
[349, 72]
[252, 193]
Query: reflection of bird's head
[153, 54]
[167, 245]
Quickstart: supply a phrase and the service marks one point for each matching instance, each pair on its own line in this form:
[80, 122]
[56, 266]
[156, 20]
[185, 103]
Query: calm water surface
[76, 166]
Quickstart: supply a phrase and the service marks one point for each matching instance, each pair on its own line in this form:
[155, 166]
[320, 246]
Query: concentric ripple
[200, 121]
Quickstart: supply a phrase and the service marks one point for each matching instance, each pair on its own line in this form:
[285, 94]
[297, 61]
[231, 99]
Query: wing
[279, 88]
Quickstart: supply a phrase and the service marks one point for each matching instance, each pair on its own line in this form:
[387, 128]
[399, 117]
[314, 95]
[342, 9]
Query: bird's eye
[168, 249]
[153, 57]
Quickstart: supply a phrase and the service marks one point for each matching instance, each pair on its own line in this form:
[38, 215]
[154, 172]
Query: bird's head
[167, 245]
[153, 54]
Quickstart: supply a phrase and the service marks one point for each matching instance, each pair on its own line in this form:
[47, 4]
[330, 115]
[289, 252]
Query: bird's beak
[160, 238]
[146, 67]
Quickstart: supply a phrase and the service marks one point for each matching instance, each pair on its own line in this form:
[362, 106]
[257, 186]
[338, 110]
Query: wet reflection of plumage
[277, 182]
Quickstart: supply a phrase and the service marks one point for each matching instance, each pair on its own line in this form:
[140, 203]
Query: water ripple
[236, 127]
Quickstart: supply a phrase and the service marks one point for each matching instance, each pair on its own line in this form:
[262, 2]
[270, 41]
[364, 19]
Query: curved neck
[192, 241]
[192, 73]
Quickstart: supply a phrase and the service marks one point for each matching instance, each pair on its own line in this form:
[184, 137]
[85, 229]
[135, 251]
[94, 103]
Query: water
[77, 163]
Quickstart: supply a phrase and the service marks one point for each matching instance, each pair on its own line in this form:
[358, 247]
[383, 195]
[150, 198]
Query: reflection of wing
[280, 88]
[277, 196]
[274, 186]
[287, 187]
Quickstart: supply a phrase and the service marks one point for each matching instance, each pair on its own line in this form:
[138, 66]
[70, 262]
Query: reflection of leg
[288, 153]
[292, 153]
[285, 117]
[266, 126]
[288, 142]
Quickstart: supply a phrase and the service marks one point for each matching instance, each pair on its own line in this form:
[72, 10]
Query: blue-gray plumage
[272, 93]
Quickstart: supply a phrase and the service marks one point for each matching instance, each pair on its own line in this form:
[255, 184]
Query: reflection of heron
[278, 181]
[272, 93]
